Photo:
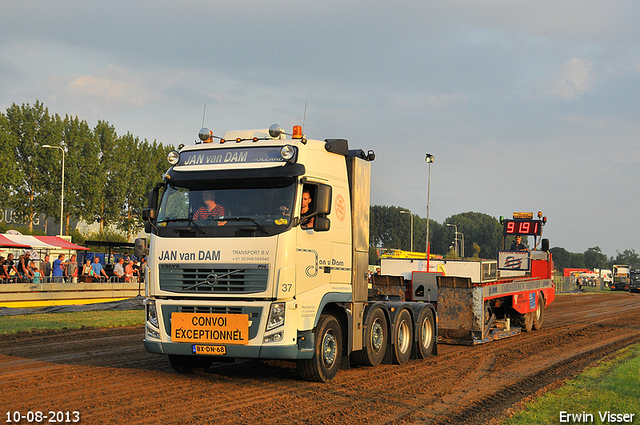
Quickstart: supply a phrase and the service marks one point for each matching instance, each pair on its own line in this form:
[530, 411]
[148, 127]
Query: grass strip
[610, 387]
[71, 320]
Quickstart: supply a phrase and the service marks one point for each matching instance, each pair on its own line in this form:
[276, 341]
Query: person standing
[87, 272]
[72, 270]
[129, 272]
[35, 271]
[23, 267]
[118, 269]
[98, 271]
[10, 268]
[4, 276]
[58, 268]
[45, 269]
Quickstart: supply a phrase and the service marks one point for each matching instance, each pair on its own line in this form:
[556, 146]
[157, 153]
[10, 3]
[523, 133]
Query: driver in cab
[210, 209]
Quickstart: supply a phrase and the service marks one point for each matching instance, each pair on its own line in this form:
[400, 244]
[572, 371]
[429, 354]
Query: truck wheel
[189, 364]
[375, 340]
[404, 338]
[425, 335]
[528, 321]
[538, 315]
[327, 352]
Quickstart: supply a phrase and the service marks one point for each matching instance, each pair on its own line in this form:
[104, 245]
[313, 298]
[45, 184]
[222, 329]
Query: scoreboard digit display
[523, 227]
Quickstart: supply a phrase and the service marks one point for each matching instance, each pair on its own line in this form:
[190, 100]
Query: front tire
[327, 352]
[403, 338]
[538, 315]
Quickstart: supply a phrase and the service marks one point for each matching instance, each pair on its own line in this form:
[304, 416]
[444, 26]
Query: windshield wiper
[246, 218]
[197, 226]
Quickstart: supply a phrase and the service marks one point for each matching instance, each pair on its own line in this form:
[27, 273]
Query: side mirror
[323, 201]
[140, 248]
[321, 224]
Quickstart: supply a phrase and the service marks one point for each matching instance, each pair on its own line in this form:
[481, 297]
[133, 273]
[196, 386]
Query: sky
[525, 105]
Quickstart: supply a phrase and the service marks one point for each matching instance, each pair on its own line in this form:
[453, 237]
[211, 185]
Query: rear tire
[538, 315]
[403, 338]
[375, 340]
[189, 364]
[327, 352]
[425, 335]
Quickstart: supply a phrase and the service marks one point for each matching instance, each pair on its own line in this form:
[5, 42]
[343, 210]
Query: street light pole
[429, 159]
[462, 246]
[62, 190]
[455, 238]
[409, 212]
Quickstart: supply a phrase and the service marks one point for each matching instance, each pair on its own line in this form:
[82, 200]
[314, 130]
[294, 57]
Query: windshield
[227, 208]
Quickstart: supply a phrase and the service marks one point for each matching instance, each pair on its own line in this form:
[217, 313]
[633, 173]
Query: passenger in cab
[306, 223]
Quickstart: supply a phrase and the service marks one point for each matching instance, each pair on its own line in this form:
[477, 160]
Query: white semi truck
[259, 249]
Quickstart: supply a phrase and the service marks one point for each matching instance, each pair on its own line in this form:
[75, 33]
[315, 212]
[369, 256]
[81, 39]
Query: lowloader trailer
[481, 300]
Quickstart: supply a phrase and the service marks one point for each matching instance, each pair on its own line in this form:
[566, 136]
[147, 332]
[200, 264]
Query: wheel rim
[539, 311]
[404, 338]
[425, 333]
[377, 335]
[329, 348]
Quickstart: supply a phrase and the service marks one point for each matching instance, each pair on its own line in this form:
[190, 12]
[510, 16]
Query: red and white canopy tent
[8, 243]
[37, 243]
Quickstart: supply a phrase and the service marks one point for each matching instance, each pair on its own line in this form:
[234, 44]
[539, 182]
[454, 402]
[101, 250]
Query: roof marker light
[297, 132]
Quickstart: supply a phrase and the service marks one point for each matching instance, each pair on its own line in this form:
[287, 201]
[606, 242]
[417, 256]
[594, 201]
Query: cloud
[575, 78]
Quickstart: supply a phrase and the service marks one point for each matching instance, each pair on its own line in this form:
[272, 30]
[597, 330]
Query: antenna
[304, 118]
[203, 114]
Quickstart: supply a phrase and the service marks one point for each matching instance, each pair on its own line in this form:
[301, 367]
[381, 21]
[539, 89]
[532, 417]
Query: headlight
[277, 337]
[152, 313]
[276, 316]
[173, 157]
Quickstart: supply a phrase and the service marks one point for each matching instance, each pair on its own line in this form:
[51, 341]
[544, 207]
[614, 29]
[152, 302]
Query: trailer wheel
[538, 315]
[189, 364]
[404, 338]
[375, 340]
[424, 335]
[327, 352]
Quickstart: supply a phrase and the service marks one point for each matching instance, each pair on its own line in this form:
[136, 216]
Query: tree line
[391, 229]
[106, 176]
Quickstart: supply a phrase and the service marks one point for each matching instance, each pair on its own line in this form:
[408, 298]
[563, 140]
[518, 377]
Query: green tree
[106, 204]
[81, 182]
[477, 228]
[7, 159]
[595, 259]
[388, 229]
[628, 256]
[36, 185]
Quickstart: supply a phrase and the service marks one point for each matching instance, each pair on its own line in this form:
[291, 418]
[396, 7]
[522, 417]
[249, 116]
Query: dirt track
[108, 377]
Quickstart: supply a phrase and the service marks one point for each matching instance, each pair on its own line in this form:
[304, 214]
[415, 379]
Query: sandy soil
[108, 377]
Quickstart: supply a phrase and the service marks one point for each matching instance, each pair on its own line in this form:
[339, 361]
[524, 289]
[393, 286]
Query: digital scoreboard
[522, 227]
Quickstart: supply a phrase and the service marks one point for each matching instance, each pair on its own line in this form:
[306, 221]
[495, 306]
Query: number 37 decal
[286, 287]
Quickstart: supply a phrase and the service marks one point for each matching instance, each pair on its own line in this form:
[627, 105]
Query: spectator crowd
[24, 269]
